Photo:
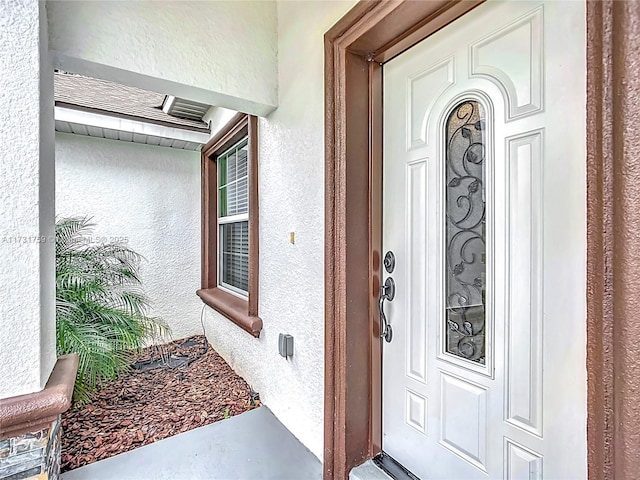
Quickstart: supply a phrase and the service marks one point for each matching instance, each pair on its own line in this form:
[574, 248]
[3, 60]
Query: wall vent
[181, 108]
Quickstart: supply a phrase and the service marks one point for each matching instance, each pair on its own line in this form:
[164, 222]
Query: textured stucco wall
[151, 196]
[217, 118]
[224, 50]
[46, 202]
[291, 178]
[26, 353]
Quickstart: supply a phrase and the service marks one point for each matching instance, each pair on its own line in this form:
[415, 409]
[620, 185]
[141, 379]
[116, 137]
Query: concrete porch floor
[251, 446]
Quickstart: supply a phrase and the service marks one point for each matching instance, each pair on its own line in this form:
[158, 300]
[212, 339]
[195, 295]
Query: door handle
[387, 292]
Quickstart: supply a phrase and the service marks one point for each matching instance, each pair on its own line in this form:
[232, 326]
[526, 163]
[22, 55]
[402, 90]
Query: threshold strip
[392, 468]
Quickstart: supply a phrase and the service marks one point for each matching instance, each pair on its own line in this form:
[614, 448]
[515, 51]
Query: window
[233, 219]
[465, 249]
[230, 223]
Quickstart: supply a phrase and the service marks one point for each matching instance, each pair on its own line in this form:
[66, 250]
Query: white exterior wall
[192, 55]
[47, 187]
[217, 118]
[27, 291]
[149, 195]
[291, 164]
[217, 52]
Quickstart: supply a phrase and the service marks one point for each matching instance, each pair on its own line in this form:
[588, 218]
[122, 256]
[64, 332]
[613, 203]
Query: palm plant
[100, 306]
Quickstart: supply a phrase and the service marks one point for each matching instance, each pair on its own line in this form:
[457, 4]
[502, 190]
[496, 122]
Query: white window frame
[243, 217]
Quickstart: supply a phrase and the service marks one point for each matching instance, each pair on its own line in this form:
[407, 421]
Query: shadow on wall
[147, 197]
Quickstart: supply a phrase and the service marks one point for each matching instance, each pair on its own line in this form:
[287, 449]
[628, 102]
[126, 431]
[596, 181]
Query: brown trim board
[613, 222]
[231, 133]
[376, 31]
[254, 218]
[375, 251]
[243, 313]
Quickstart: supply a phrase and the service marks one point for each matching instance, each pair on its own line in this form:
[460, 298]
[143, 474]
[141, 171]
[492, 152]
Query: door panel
[464, 419]
[512, 58]
[524, 279]
[484, 209]
[416, 337]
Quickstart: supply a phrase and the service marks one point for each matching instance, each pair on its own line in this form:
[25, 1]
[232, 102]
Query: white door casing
[521, 412]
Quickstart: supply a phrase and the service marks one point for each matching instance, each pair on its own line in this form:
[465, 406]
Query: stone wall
[34, 455]
[30, 426]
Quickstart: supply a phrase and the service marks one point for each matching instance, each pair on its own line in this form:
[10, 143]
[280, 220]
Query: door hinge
[370, 57]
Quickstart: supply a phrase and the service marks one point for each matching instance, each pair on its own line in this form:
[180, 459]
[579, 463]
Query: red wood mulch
[142, 406]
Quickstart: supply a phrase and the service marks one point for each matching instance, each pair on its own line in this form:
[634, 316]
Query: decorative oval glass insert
[465, 275]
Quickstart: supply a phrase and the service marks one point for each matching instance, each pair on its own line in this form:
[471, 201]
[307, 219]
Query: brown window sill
[232, 307]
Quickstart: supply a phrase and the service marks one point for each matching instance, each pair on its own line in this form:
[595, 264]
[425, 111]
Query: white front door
[484, 210]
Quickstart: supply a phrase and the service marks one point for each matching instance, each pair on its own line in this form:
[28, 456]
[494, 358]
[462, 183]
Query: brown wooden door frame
[355, 48]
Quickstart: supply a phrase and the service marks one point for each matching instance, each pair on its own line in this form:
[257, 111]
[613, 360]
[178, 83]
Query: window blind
[235, 254]
[233, 216]
[233, 198]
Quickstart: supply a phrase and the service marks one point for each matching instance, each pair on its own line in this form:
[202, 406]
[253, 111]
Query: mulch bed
[174, 388]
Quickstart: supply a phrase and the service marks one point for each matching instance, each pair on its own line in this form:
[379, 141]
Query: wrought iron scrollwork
[465, 231]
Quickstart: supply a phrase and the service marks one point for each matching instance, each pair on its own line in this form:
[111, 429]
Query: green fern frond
[101, 308]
